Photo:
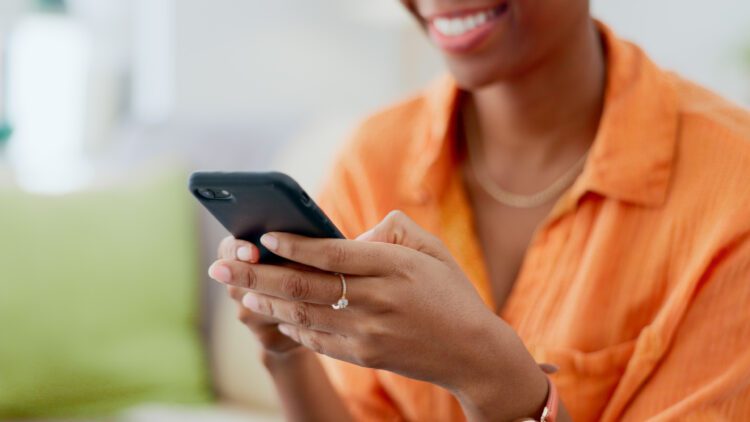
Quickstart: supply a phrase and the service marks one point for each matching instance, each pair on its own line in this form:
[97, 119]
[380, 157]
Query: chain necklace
[511, 199]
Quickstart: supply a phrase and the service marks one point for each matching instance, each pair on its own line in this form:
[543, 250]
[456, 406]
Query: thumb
[397, 228]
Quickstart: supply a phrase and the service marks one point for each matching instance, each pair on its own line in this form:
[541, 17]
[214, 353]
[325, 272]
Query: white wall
[238, 58]
[9, 12]
[699, 39]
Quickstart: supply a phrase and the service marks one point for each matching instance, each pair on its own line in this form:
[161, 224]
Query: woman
[565, 205]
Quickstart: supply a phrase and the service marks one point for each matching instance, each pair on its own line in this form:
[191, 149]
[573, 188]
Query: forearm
[305, 391]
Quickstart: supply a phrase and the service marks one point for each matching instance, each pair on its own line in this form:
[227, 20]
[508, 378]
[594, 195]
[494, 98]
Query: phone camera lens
[207, 193]
[215, 194]
[223, 194]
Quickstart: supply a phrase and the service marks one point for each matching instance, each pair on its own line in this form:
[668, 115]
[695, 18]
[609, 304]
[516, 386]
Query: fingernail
[220, 273]
[549, 368]
[244, 253]
[285, 330]
[269, 241]
[250, 301]
[366, 235]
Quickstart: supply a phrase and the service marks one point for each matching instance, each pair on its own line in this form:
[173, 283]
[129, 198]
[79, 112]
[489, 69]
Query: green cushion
[98, 301]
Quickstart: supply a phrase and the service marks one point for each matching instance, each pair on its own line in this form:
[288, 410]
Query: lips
[462, 31]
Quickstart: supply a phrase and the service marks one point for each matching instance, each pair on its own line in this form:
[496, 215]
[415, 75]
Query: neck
[551, 111]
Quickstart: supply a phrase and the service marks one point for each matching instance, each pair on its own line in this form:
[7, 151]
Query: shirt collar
[433, 152]
[632, 155]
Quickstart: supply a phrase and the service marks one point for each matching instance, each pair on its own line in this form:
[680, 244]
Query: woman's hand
[411, 311]
[264, 328]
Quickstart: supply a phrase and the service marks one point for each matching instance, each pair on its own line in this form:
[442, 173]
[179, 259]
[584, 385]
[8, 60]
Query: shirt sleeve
[705, 375]
[342, 199]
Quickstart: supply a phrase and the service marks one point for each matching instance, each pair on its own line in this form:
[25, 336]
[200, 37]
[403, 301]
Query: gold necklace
[515, 200]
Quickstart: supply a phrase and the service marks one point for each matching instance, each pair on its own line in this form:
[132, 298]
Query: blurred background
[105, 108]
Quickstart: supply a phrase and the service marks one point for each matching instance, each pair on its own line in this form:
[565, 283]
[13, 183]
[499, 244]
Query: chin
[474, 75]
[497, 41]
[472, 81]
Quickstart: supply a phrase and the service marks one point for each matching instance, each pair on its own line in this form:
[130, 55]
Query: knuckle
[301, 315]
[266, 307]
[367, 357]
[295, 287]
[397, 234]
[336, 254]
[251, 278]
[289, 248]
[379, 301]
[314, 343]
[394, 226]
[371, 335]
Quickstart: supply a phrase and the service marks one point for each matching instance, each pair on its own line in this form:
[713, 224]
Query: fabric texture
[636, 284]
[98, 306]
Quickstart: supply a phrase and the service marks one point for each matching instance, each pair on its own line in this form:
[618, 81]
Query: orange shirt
[637, 285]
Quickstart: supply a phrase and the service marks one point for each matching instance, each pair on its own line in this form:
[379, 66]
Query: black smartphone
[249, 205]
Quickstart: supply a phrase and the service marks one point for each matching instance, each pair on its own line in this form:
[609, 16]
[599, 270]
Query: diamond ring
[343, 302]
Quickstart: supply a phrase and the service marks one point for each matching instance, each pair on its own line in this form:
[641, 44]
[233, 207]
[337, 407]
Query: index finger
[340, 255]
[281, 282]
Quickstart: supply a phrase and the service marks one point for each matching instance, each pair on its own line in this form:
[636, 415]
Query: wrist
[501, 381]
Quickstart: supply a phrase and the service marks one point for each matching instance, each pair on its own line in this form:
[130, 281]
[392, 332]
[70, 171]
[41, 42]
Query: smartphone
[249, 205]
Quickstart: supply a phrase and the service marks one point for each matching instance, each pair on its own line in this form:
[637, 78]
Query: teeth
[458, 26]
[454, 27]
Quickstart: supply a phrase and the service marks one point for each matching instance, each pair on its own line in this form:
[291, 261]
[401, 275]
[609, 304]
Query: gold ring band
[343, 302]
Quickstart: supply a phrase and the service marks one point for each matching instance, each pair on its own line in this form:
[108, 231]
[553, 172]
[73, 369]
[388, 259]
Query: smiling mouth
[462, 31]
